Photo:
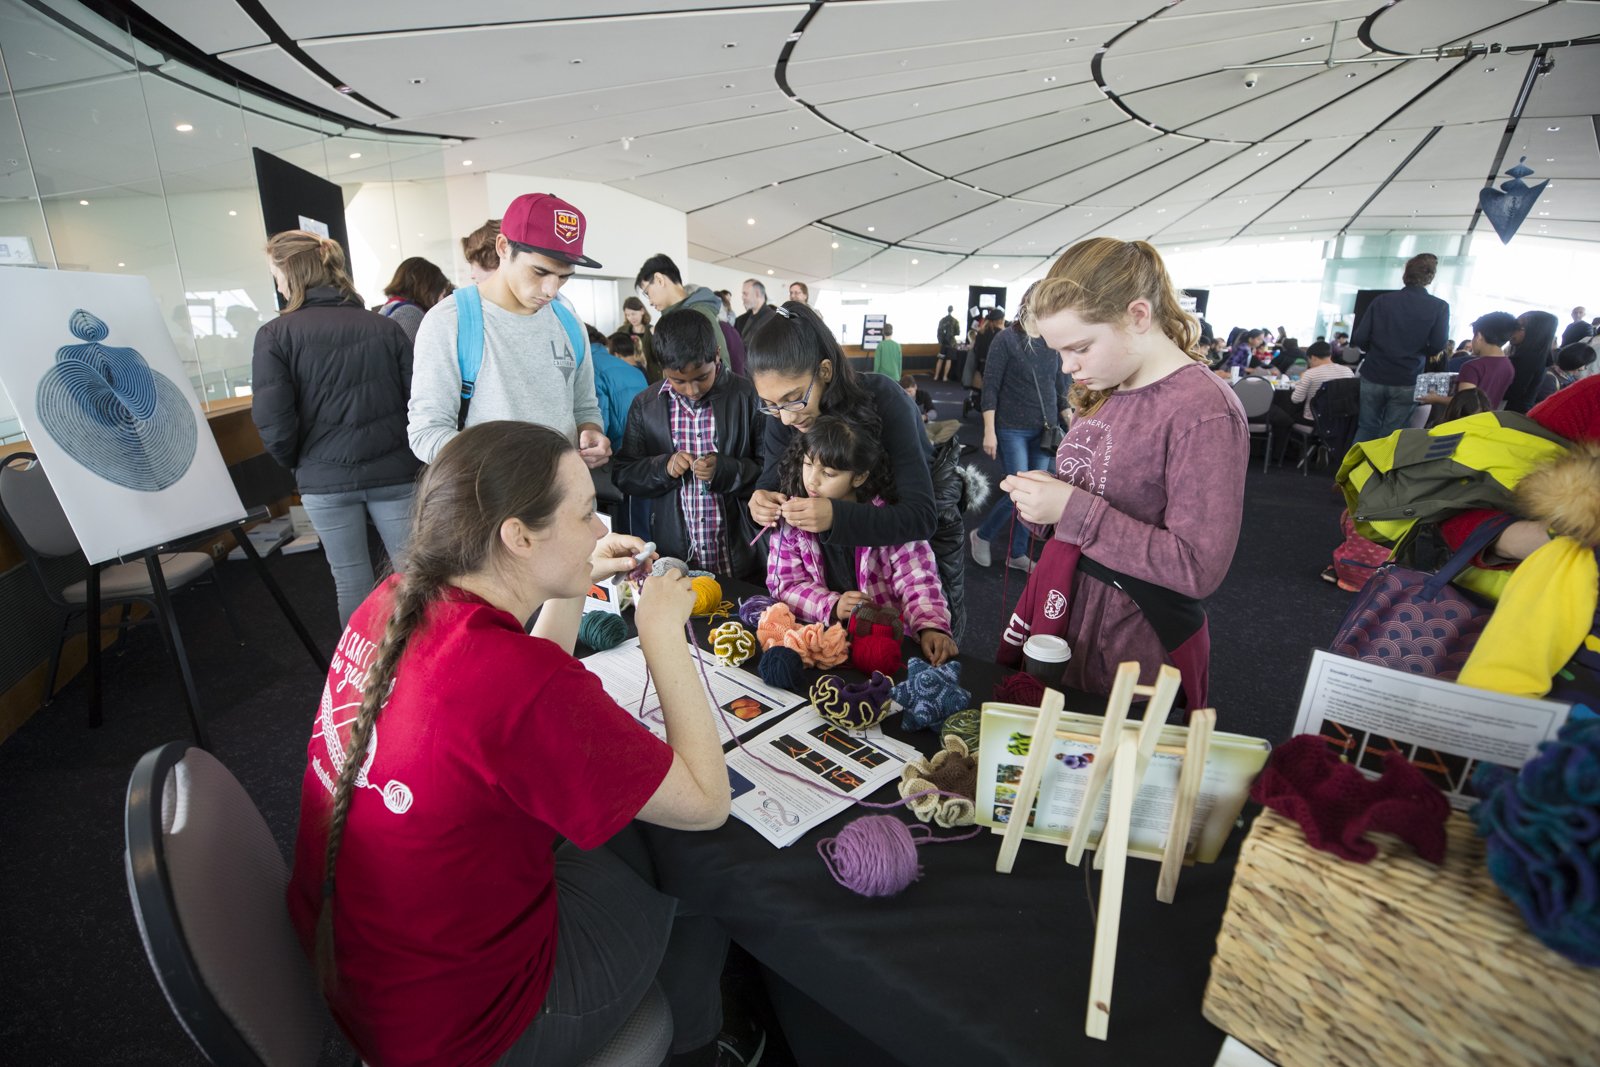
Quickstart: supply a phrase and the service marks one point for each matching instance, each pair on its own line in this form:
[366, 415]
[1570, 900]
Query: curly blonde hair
[1096, 280]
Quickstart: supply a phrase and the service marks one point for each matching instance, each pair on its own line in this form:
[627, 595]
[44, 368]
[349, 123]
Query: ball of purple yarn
[781, 668]
[875, 856]
[751, 607]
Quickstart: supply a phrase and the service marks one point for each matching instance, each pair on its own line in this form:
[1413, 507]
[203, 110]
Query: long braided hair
[1097, 279]
[486, 474]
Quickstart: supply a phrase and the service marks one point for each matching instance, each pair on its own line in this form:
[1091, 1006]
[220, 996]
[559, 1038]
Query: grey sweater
[1022, 382]
[527, 374]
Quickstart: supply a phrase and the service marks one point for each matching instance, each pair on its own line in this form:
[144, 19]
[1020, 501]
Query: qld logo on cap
[568, 225]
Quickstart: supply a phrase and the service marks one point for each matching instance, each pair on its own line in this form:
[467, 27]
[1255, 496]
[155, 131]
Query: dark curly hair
[842, 445]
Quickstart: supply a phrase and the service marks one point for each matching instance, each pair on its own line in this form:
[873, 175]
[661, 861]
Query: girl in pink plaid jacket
[841, 460]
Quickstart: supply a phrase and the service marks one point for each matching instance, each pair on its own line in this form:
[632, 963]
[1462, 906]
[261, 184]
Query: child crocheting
[821, 582]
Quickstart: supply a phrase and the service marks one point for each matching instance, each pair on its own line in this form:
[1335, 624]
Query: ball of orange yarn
[773, 624]
[707, 595]
[818, 647]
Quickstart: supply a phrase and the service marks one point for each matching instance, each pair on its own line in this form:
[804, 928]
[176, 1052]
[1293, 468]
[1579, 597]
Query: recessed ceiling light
[1552, 129]
[730, 44]
[994, 266]
[466, 162]
[863, 285]
[1294, 227]
[497, 122]
[1549, 159]
[793, 128]
[122, 264]
[1544, 212]
[914, 262]
[1049, 78]
[1488, 70]
[872, 229]
[1350, 75]
[184, 127]
[355, 155]
[84, 203]
[769, 272]
[343, 89]
[232, 214]
[1087, 121]
[1161, 211]
[749, 222]
[1303, 40]
[424, 81]
[727, 85]
[836, 244]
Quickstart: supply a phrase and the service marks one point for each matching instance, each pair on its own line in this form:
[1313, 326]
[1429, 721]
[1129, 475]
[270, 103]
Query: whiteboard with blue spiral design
[92, 372]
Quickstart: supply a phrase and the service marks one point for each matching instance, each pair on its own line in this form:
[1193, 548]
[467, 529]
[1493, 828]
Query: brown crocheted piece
[950, 770]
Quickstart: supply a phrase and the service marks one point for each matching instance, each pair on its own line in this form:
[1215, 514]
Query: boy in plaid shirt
[841, 460]
[693, 445]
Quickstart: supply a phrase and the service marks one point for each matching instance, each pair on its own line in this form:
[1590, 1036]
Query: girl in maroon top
[1147, 489]
[450, 751]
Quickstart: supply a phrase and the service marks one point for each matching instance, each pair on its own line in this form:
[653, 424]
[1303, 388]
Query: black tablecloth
[967, 967]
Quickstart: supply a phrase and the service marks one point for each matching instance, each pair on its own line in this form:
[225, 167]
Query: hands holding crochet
[937, 646]
[813, 514]
[848, 603]
[614, 554]
[1039, 496]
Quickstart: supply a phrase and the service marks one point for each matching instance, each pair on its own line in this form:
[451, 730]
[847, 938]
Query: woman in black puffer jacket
[331, 381]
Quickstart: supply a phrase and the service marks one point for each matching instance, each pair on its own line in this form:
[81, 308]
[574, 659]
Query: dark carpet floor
[78, 988]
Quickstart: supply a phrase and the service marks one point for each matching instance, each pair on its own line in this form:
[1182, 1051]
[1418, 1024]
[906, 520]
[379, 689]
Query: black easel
[167, 623]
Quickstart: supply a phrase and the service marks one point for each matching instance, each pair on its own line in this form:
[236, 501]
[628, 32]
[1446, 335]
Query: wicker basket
[1323, 961]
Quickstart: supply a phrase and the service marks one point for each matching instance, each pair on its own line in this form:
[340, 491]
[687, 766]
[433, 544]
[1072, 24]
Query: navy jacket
[330, 382]
[1399, 332]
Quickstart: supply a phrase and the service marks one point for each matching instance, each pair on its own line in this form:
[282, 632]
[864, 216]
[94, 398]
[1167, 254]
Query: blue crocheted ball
[1542, 826]
[930, 694]
[781, 668]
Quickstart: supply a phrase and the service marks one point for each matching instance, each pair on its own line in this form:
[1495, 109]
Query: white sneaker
[980, 549]
[1020, 563]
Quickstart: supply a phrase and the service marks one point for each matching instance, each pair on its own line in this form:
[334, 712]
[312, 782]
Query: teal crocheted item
[930, 694]
[1542, 826]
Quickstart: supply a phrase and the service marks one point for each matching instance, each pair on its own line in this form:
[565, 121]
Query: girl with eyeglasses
[801, 374]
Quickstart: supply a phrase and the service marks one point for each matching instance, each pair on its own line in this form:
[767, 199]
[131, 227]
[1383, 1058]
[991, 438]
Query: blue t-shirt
[616, 383]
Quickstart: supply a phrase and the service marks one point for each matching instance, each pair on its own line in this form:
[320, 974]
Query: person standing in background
[662, 284]
[636, 324]
[753, 294]
[726, 296]
[417, 285]
[330, 383]
[799, 293]
[479, 250]
[948, 332]
[1532, 349]
[1577, 329]
[886, 358]
[1397, 333]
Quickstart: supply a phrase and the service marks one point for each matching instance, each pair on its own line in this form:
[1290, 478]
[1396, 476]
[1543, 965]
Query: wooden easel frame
[1125, 751]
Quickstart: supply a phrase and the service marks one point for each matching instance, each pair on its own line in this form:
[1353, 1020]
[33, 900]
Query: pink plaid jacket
[902, 578]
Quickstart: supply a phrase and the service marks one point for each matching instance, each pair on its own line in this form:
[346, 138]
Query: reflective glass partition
[115, 159]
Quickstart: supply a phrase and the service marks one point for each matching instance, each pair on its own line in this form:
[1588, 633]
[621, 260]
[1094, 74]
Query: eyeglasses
[793, 405]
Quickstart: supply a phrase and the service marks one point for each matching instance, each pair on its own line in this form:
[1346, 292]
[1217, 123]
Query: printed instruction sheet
[836, 765]
[1364, 710]
[741, 701]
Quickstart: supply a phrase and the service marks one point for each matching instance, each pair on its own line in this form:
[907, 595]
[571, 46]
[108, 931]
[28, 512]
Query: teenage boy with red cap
[529, 370]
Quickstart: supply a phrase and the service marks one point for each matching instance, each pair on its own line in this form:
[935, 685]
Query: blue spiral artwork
[109, 411]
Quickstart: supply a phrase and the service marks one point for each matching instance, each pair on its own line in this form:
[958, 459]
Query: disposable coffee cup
[1046, 658]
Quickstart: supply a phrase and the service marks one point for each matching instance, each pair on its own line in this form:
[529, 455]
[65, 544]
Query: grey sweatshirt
[527, 374]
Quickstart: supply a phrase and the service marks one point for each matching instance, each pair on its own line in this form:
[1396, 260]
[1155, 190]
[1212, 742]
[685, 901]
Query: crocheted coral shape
[732, 644]
[776, 621]
[930, 695]
[1337, 806]
[1542, 826]
[818, 647]
[950, 770]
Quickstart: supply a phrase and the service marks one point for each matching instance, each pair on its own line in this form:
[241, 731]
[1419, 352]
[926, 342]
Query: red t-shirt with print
[491, 744]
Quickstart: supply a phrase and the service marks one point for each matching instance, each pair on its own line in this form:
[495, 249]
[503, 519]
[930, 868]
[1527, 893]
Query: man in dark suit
[1398, 332]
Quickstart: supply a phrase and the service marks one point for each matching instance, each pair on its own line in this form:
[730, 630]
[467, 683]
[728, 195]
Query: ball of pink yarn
[875, 856]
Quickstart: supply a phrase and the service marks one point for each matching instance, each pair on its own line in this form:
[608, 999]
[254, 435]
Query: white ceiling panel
[898, 217]
[864, 28]
[960, 153]
[1569, 89]
[983, 227]
[218, 26]
[1255, 29]
[930, 102]
[1148, 169]
[695, 186]
[1010, 175]
[315, 18]
[909, 133]
[1447, 197]
[834, 80]
[271, 64]
[1419, 25]
[1483, 90]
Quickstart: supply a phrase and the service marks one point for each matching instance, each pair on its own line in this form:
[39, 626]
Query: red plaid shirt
[693, 427]
[902, 578]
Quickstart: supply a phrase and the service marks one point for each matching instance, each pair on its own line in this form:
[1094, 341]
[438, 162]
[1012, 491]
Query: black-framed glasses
[793, 405]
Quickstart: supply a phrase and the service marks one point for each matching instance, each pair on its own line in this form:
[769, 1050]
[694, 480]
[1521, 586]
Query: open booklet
[1232, 763]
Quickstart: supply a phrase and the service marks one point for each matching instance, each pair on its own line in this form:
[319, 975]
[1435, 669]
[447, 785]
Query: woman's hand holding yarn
[766, 507]
[665, 603]
[613, 554]
[813, 514]
[1040, 497]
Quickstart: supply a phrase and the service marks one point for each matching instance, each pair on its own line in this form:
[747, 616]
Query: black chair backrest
[1335, 412]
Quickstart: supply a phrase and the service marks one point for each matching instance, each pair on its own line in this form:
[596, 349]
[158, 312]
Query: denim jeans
[1019, 451]
[341, 522]
[615, 935]
[1384, 409]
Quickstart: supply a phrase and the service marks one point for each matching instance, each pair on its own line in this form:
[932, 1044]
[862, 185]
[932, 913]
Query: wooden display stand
[1126, 748]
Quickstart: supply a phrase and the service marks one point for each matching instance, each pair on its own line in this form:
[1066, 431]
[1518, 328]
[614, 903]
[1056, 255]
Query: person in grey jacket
[1024, 392]
[529, 371]
[330, 381]
[417, 285]
[662, 284]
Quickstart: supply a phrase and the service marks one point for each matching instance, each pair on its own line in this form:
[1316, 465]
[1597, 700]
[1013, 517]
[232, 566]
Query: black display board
[1195, 302]
[980, 298]
[1364, 297]
[296, 199]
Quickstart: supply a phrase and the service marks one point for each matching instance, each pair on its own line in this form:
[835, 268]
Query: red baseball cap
[550, 225]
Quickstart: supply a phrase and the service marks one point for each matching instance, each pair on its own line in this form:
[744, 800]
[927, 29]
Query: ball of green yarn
[601, 630]
[964, 724]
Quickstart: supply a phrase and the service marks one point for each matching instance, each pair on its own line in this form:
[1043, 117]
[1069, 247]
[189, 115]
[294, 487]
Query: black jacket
[748, 322]
[640, 467]
[330, 382]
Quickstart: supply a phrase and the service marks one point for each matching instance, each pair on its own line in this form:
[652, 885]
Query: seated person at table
[1322, 369]
[923, 400]
[693, 446]
[446, 925]
[1489, 370]
[842, 460]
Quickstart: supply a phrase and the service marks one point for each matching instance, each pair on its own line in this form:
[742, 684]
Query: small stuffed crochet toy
[930, 695]
[950, 770]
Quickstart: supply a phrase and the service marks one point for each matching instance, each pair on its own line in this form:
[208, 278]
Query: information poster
[872, 331]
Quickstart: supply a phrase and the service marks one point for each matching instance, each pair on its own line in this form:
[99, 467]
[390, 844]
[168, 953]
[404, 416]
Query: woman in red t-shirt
[446, 925]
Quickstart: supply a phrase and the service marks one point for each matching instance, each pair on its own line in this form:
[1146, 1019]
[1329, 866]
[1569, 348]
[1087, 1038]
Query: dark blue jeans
[616, 934]
[1384, 409]
[1019, 451]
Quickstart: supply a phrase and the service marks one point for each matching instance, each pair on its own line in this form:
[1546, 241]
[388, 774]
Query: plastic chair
[207, 883]
[1256, 396]
[39, 527]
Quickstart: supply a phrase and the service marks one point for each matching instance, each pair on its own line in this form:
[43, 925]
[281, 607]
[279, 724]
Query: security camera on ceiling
[1251, 79]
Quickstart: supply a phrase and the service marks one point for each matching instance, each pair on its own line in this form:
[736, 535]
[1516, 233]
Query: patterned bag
[1356, 558]
[1418, 622]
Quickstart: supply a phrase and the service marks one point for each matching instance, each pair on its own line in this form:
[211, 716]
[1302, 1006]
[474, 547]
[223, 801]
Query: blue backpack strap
[469, 344]
[577, 336]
